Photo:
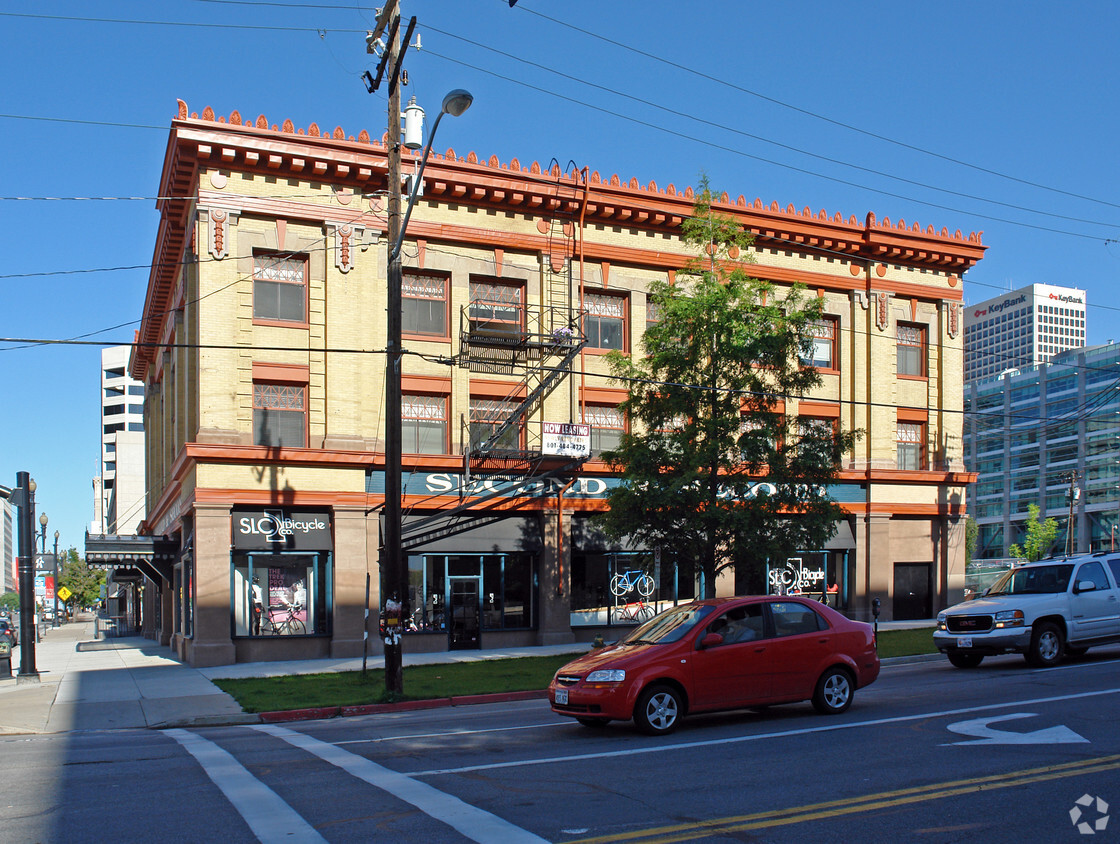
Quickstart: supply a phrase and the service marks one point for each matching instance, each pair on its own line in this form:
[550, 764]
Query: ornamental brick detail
[882, 310]
[220, 220]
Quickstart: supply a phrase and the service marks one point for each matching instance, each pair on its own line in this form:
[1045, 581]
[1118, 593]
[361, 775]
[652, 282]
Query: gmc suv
[1044, 610]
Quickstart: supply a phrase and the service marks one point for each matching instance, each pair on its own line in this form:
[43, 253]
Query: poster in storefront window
[287, 587]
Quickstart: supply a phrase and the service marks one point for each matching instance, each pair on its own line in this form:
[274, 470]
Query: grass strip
[477, 677]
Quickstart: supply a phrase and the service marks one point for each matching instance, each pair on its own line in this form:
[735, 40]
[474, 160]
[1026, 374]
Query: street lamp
[396, 576]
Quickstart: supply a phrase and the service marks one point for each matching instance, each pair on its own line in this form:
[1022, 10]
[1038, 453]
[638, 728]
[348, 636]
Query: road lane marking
[855, 805]
[990, 735]
[268, 816]
[474, 823]
[803, 731]
[450, 733]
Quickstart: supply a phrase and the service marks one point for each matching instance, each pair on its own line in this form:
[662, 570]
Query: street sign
[64, 594]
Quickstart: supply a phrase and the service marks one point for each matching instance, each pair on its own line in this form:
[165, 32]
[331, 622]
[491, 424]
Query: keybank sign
[1001, 306]
[1066, 299]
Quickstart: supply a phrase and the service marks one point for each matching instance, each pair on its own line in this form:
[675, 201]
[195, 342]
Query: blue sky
[985, 116]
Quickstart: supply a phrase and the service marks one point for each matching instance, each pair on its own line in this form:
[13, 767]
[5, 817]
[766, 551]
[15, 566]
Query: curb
[325, 712]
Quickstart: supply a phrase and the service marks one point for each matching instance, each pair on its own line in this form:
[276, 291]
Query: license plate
[562, 697]
[964, 642]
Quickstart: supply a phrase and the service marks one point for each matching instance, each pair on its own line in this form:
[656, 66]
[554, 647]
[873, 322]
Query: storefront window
[625, 587]
[280, 595]
[280, 581]
[506, 589]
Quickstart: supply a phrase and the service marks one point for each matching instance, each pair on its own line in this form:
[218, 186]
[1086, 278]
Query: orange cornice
[255, 145]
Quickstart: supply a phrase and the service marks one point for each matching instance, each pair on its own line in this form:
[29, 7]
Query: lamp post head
[457, 101]
[43, 520]
[56, 536]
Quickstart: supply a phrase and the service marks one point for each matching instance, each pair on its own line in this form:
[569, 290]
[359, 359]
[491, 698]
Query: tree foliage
[79, 578]
[1039, 537]
[9, 602]
[717, 470]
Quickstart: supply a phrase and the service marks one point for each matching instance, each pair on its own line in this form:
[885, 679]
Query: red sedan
[724, 653]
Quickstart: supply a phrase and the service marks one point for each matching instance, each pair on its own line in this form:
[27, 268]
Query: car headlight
[1009, 618]
[607, 675]
[941, 621]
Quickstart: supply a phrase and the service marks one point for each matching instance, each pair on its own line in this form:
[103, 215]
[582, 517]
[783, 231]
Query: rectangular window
[487, 415]
[424, 304]
[607, 426]
[823, 334]
[911, 445]
[281, 594]
[500, 306]
[604, 321]
[424, 424]
[911, 349]
[280, 287]
[280, 415]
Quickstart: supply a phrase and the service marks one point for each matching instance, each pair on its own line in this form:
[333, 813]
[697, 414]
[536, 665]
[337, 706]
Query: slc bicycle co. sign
[281, 529]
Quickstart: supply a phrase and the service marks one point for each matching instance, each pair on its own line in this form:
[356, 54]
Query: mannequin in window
[258, 606]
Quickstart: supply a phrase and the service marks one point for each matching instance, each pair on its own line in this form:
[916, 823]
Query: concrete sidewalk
[87, 683]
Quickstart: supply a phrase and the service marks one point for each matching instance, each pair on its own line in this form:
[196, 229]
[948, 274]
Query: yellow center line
[853, 805]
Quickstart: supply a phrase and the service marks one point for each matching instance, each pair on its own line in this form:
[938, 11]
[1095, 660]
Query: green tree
[971, 534]
[1039, 538]
[716, 471]
[9, 602]
[79, 578]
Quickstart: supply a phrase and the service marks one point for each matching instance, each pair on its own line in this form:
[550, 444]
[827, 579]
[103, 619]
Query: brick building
[262, 355]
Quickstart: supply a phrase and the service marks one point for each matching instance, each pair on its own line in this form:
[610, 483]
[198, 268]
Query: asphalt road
[928, 753]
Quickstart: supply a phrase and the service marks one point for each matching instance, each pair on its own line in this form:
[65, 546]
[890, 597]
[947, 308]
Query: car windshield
[670, 626]
[1033, 580]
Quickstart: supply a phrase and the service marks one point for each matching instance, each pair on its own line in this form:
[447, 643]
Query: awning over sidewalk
[153, 555]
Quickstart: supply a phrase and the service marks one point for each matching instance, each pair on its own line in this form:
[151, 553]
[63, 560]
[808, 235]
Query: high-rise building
[120, 504]
[1022, 328]
[1038, 434]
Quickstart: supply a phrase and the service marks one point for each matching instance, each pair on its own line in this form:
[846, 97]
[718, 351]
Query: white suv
[1043, 610]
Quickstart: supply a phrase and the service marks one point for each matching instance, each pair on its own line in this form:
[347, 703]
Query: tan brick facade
[238, 191]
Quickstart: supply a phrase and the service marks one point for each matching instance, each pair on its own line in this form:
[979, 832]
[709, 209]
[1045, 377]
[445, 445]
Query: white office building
[1022, 328]
[120, 504]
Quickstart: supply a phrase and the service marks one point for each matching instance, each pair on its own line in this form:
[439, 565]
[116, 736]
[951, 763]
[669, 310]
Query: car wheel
[834, 692]
[659, 710]
[593, 722]
[1046, 646]
[965, 660]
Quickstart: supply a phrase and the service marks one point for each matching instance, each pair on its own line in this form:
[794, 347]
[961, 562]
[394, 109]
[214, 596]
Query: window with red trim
[423, 424]
[279, 414]
[280, 287]
[424, 304]
[911, 346]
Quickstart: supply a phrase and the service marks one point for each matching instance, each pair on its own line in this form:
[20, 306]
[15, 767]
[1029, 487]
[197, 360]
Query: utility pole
[1073, 495]
[25, 499]
[394, 578]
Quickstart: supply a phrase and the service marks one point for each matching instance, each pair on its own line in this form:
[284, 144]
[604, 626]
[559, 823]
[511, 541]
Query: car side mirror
[1084, 586]
[710, 640]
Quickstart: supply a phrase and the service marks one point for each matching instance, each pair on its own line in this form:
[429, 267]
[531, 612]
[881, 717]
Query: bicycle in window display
[284, 620]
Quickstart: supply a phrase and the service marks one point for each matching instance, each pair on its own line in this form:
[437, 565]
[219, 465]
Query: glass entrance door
[465, 613]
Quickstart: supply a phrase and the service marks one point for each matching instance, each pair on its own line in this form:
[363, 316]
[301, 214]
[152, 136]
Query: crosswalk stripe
[472, 822]
[268, 816]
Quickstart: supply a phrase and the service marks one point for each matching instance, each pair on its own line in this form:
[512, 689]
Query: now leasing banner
[281, 529]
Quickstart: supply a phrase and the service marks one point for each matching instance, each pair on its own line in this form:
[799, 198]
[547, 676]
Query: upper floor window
[487, 415]
[502, 304]
[607, 426]
[424, 304]
[911, 445]
[279, 415]
[823, 354]
[911, 349]
[280, 287]
[604, 321]
[424, 424]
